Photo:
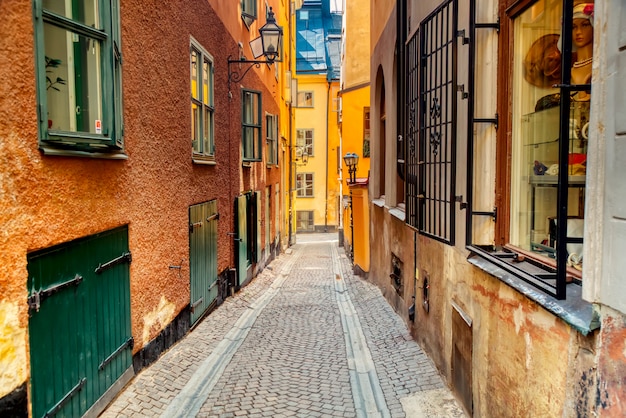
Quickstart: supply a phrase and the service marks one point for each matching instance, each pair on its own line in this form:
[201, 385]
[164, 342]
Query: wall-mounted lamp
[270, 43]
[302, 156]
[352, 161]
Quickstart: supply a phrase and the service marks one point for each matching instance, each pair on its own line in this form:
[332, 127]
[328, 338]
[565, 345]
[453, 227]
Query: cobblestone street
[306, 338]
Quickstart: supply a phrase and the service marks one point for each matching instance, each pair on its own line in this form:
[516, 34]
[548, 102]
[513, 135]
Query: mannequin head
[582, 25]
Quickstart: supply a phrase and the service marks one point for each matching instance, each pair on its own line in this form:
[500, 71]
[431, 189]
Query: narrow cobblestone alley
[305, 338]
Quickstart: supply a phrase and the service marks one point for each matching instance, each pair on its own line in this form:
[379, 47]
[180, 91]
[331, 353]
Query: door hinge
[215, 216]
[463, 205]
[129, 343]
[56, 408]
[194, 305]
[124, 258]
[194, 225]
[464, 39]
[35, 299]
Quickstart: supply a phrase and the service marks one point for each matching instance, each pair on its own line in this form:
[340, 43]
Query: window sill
[57, 152]
[380, 202]
[268, 166]
[203, 161]
[398, 213]
[576, 312]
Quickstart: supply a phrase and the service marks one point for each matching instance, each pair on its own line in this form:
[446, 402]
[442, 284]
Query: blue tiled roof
[318, 39]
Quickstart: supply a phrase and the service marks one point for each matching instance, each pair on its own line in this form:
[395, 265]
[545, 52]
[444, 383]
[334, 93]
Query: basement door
[462, 358]
[203, 257]
[79, 325]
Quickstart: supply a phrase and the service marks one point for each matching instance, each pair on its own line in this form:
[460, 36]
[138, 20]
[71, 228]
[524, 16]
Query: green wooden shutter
[203, 257]
[242, 237]
[259, 210]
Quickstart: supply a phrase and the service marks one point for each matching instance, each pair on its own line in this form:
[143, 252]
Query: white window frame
[305, 184]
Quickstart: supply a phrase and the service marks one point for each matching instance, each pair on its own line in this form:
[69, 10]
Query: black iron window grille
[411, 134]
[430, 123]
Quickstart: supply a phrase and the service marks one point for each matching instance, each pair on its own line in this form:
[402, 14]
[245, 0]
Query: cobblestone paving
[293, 359]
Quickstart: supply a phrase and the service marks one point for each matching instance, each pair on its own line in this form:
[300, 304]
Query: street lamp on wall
[352, 160]
[270, 42]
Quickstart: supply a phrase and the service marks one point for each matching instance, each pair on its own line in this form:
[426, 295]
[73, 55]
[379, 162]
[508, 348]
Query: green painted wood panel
[203, 257]
[257, 230]
[242, 236]
[73, 332]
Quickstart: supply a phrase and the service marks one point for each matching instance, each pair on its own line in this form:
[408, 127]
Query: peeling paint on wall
[12, 349]
[157, 319]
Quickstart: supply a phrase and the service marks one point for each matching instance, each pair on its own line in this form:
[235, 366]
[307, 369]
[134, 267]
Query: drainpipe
[327, 157]
[291, 163]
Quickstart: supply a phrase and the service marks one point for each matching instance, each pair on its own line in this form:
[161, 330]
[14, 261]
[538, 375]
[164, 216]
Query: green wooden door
[257, 222]
[242, 239]
[79, 326]
[203, 257]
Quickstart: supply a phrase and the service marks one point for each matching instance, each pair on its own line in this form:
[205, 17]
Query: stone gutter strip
[367, 392]
[195, 393]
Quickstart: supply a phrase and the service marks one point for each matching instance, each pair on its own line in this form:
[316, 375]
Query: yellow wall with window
[355, 132]
[319, 115]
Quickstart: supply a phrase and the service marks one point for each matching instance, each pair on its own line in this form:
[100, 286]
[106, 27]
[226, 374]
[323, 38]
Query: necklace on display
[582, 63]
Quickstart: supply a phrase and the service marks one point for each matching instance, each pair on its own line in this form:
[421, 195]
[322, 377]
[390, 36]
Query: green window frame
[202, 104]
[249, 11]
[251, 125]
[271, 129]
[78, 72]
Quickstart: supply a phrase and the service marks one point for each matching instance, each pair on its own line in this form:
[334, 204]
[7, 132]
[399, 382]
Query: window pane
[195, 128]
[249, 7]
[247, 108]
[195, 93]
[208, 126]
[248, 151]
[83, 11]
[535, 132]
[73, 81]
[305, 99]
[255, 115]
[256, 142]
[536, 140]
[205, 83]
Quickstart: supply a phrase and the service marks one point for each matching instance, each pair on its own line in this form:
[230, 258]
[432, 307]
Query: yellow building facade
[355, 124]
[317, 155]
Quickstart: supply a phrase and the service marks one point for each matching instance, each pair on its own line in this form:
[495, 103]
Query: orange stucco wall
[48, 200]
[361, 243]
